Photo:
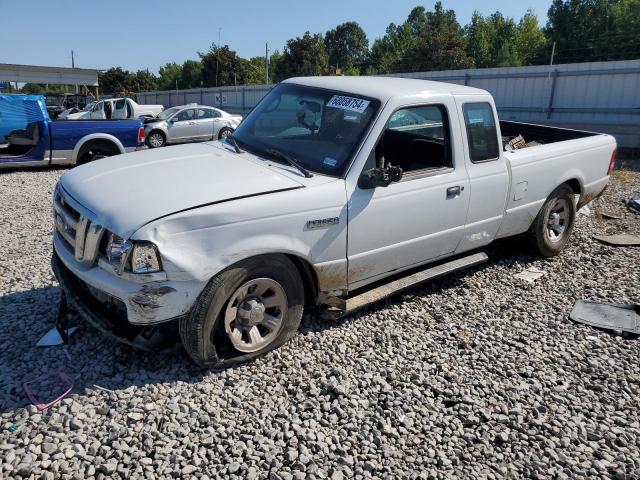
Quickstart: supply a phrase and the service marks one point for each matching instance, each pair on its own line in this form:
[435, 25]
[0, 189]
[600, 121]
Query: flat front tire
[552, 227]
[244, 312]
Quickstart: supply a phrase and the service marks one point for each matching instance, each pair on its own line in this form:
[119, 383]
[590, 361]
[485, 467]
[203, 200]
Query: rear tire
[219, 330]
[552, 227]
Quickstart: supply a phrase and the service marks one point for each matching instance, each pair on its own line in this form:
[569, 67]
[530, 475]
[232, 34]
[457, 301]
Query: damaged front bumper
[108, 317]
[142, 299]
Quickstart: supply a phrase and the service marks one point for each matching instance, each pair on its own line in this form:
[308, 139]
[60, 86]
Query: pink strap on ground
[40, 405]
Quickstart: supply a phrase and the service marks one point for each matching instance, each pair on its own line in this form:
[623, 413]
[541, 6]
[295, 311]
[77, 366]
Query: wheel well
[104, 146]
[309, 279]
[157, 130]
[574, 184]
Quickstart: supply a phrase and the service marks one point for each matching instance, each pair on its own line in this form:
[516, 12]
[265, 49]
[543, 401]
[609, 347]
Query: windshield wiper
[290, 161]
[234, 143]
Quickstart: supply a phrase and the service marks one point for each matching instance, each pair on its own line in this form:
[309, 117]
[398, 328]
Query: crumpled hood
[127, 191]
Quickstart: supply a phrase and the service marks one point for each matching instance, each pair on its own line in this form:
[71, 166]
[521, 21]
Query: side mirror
[379, 177]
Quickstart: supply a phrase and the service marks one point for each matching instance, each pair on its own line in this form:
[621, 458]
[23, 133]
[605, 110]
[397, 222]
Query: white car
[116, 108]
[328, 195]
[189, 123]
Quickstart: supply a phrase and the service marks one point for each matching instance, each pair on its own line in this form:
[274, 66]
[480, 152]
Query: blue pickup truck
[29, 138]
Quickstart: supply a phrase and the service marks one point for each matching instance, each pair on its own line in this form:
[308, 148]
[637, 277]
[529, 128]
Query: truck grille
[76, 228]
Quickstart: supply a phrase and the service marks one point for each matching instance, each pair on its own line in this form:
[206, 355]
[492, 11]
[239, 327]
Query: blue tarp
[17, 111]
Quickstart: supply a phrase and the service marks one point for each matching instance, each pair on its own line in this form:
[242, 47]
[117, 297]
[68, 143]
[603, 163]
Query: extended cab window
[481, 132]
[417, 138]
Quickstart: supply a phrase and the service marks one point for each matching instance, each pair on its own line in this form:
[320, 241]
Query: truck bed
[540, 134]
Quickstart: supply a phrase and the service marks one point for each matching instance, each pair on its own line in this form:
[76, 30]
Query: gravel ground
[478, 375]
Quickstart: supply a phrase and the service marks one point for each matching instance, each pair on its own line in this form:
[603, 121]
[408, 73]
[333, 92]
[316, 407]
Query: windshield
[319, 128]
[168, 112]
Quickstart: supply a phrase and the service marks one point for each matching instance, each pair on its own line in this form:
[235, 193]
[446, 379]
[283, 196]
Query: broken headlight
[118, 250]
[145, 258]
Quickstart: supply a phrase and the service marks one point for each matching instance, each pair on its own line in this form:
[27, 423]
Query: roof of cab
[384, 88]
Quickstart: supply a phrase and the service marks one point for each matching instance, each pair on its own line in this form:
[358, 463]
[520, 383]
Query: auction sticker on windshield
[348, 103]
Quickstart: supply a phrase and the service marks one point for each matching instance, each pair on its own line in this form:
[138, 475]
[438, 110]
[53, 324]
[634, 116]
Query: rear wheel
[95, 150]
[244, 312]
[552, 227]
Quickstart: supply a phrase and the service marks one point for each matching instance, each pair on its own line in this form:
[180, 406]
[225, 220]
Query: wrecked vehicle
[333, 193]
[189, 123]
[29, 138]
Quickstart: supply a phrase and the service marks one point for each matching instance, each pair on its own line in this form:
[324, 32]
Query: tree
[496, 41]
[114, 80]
[530, 40]
[439, 44]
[347, 46]
[256, 73]
[303, 56]
[142, 81]
[591, 30]
[389, 50]
[222, 66]
[191, 75]
[170, 75]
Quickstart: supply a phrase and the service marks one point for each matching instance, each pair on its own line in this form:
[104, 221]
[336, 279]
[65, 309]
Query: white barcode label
[348, 103]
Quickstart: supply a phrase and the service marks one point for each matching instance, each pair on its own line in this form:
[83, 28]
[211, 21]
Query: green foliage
[191, 76]
[496, 41]
[303, 57]
[42, 89]
[347, 46]
[593, 30]
[222, 66]
[170, 76]
[117, 80]
[428, 40]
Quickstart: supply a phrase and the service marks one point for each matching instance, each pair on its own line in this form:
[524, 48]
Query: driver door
[421, 217]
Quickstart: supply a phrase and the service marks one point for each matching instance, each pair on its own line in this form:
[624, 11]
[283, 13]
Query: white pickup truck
[114, 109]
[334, 192]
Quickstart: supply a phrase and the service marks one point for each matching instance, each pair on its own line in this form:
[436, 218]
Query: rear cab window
[482, 134]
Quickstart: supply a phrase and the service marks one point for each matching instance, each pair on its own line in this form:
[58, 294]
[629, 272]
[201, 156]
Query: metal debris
[53, 337]
[619, 240]
[530, 275]
[611, 216]
[611, 316]
[634, 203]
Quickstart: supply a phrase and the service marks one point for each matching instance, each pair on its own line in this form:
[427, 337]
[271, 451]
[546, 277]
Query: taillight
[141, 135]
[612, 163]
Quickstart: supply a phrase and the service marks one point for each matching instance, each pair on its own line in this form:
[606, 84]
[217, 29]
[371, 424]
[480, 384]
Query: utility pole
[218, 54]
[266, 63]
[73, 60]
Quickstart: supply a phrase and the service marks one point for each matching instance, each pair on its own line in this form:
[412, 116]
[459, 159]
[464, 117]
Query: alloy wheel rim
[225, 133]
[254, 314]
[558, 220]
[155, 140]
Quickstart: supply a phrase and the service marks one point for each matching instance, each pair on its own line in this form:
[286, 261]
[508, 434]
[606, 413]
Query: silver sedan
[189, 123]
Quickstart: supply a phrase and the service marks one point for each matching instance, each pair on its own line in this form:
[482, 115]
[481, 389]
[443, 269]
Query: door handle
[453, 192]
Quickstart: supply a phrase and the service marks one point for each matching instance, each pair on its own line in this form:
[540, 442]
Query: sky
[148, 34]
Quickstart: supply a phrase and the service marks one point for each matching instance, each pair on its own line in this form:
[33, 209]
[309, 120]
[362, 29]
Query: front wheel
[244, 312]
[552, 227]
[156, 139]
[224, 133]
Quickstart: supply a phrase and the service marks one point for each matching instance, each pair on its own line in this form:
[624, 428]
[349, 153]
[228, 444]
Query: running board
[355, 303]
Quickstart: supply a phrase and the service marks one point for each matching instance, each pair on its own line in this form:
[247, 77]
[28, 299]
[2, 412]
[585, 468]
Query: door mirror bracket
[379, 177]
